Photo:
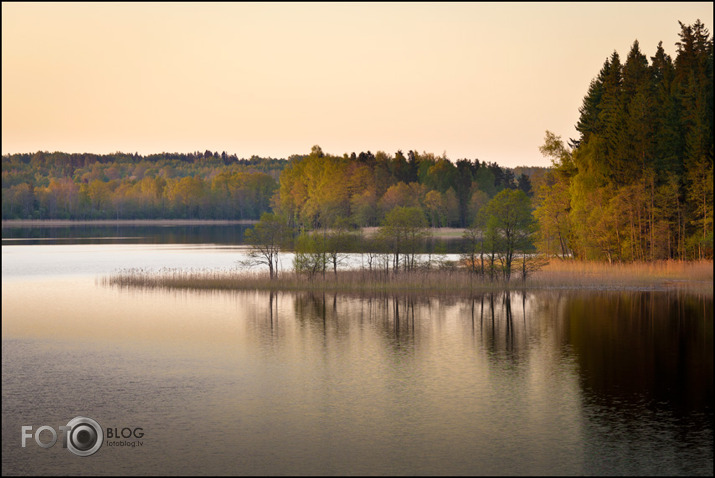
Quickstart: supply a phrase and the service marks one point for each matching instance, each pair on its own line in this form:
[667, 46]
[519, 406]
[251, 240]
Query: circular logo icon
[85, 436]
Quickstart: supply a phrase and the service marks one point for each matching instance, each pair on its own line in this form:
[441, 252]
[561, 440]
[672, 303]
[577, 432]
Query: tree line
[637, 185]
[499, 243]
[319, 189]
[130, 186]
[314, 189]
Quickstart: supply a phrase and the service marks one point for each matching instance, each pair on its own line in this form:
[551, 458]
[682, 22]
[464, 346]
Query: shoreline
[122, 222]
[687, 277]
[437, 232]
[444, 233]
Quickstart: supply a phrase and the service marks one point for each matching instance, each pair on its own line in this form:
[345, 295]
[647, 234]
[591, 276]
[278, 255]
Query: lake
[245, 383]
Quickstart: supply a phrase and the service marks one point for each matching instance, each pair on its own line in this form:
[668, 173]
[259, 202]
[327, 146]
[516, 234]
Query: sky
[468, 80]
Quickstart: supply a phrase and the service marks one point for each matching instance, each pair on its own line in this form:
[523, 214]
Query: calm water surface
[257, 383]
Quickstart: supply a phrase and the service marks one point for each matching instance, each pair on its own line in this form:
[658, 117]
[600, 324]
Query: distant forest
[205, 185]
[362, 187]
[637, 184]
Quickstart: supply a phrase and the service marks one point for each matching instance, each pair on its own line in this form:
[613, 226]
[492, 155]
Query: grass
[657, 274]
[666, 275]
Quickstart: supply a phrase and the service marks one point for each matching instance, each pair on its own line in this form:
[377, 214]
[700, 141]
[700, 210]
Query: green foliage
[310, 254]
[553, 200]
[509, 226]
[338, 241]
[312, 190]
[318, 188]
[638, 185]
[124, 186]
[404, 231]
[267, 238]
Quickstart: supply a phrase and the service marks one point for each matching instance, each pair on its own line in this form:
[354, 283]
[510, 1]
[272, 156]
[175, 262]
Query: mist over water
[261, 383]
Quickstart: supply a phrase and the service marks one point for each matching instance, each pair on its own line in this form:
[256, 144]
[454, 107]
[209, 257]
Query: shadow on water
[645, 365]
[652, 346]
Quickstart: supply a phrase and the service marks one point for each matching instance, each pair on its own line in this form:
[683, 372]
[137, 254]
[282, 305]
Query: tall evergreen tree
[642, 186]
[588, 122]
[635, 145]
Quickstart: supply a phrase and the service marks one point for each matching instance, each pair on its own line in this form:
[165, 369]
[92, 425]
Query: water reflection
[647, 346]
[312, 383]
[644, 346]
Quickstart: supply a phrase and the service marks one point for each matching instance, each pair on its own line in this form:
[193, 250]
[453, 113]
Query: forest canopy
[205, 185]
[637, 184]
[314, 189]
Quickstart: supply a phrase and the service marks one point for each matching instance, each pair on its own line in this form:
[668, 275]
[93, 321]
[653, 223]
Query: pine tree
[588, 122]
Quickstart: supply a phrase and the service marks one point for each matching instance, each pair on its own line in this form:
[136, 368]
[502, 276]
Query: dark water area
[221, 234]
[646, 370]
[227, 234]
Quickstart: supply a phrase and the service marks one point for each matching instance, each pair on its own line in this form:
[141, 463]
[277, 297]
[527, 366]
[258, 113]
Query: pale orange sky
[474, 80]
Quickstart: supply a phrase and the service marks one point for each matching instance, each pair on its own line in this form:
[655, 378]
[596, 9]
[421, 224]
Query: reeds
[640, 274]
[557, 275]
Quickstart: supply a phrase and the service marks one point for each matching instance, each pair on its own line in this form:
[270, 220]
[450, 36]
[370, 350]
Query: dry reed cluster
[695, 276]
[657, 273]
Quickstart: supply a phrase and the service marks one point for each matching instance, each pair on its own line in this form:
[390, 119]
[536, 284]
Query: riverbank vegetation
[693, 276]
